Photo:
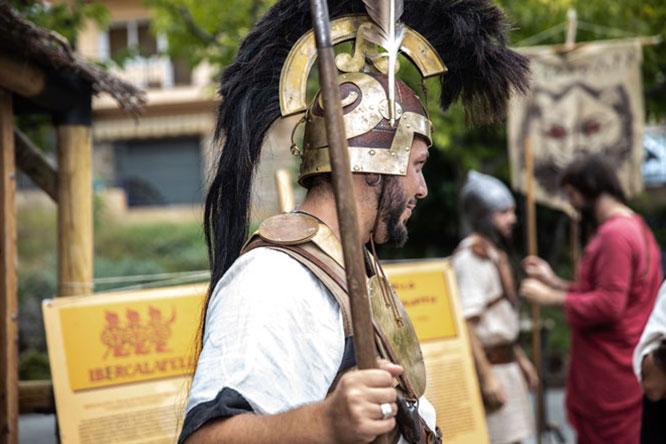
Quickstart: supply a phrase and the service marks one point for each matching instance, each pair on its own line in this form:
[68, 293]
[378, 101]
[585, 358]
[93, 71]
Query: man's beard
[505, 242]
[487, 229]
[391, 207]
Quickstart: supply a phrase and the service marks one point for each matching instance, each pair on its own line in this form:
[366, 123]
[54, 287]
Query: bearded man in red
[606, 308]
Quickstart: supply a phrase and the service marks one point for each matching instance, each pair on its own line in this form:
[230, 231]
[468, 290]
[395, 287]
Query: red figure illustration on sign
[136, 337]
[159, 329]
[113, 335]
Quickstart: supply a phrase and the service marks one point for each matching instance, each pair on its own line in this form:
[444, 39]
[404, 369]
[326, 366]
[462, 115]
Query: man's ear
[373, 180]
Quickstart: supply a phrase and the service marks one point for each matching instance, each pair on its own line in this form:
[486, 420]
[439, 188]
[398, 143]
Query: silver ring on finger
[387, 410]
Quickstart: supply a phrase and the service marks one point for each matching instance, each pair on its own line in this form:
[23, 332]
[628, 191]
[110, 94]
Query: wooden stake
[575, 242]
[532, 249]
[572, 27]
[75, 213]
[8, 298]
[285, 190]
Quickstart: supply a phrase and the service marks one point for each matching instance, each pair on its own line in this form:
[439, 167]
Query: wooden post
[532, 249]
[8, 297]
[575, 242]
[75, 200]
[75, 213]
[285, 190]
[572, 27]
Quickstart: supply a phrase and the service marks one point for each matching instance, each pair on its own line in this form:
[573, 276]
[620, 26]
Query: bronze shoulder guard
[288, 229]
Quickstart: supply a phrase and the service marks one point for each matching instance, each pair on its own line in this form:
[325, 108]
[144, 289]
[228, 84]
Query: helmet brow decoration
[379, 130]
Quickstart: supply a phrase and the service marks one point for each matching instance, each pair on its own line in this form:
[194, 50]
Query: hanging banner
[121, 363]
[589, 100]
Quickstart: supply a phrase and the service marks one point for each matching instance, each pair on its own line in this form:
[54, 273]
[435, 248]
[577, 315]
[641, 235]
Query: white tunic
[479, 283]
[654, 332]
[274, 334]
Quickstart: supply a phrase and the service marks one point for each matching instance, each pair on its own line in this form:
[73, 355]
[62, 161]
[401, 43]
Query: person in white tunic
[488, 299]
[649, 363]
[275, 340]
[276, 359]
[650, 369]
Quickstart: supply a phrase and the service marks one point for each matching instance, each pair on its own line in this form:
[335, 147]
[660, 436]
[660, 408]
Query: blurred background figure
[489, 303]
[650, 367]
[606, 307]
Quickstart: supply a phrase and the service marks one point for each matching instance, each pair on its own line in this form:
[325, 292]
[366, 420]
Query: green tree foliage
[205, 31]
[602, 19]
[65, 18]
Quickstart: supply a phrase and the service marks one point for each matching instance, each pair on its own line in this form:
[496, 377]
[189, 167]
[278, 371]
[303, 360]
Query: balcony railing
[154, 72]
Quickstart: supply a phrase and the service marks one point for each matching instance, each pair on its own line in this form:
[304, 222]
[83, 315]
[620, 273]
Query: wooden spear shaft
[364, 344]
[532, 250]
[344, 193]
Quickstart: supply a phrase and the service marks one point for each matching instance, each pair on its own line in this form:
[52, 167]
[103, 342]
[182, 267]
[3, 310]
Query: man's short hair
[593, 176]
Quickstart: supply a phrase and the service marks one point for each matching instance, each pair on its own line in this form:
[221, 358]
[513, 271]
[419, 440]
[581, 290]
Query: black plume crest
[469, 35]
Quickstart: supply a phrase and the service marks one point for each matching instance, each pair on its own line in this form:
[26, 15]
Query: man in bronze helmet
[276, 345]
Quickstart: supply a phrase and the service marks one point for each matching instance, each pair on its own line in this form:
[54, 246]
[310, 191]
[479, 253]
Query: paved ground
[556, 415]
[40, 429]
[37, 429]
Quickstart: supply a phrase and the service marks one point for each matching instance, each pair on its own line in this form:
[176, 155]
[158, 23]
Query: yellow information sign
[427, 290]
[120, 343]
[121, 363]
[425, 296]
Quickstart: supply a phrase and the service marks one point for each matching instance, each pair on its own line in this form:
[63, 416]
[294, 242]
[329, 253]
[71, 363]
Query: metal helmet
[481, 196]
[375, 146]
[379, 126]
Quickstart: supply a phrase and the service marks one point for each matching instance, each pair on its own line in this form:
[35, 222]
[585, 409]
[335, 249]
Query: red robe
[607, 308]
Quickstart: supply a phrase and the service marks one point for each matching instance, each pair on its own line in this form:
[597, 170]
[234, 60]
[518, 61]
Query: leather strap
[482, 248]
[332, 276]
[500, 354]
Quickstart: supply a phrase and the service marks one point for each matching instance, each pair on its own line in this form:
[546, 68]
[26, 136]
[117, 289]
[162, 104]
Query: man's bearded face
[393, 212]
[399, 197]
[503, 222]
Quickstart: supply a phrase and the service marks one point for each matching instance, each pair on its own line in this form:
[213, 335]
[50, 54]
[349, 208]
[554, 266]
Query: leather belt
[500, 354]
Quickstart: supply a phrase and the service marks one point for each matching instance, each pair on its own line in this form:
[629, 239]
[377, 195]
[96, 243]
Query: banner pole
[532, 250]
[575, 242]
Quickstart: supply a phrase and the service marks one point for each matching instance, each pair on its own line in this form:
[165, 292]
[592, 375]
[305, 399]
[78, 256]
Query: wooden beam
[20, 77]
[75, 214]
[32, 162]
[8, 298]
[285, 190]
[36, 397]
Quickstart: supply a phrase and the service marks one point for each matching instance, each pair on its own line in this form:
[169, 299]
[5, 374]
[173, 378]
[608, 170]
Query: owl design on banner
[588, 100]
[575, 121]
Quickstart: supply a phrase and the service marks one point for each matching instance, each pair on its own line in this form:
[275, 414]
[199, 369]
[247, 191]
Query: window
[141, 52]
[159, 172]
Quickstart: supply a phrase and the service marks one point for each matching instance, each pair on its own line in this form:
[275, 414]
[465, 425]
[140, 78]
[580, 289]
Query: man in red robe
[606, 308]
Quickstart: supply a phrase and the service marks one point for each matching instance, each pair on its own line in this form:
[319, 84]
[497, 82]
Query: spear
[364, 345]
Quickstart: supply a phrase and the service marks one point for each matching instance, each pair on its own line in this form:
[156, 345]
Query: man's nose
[422, 190]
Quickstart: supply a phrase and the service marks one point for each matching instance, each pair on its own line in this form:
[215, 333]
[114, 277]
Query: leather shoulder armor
[288, 229]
